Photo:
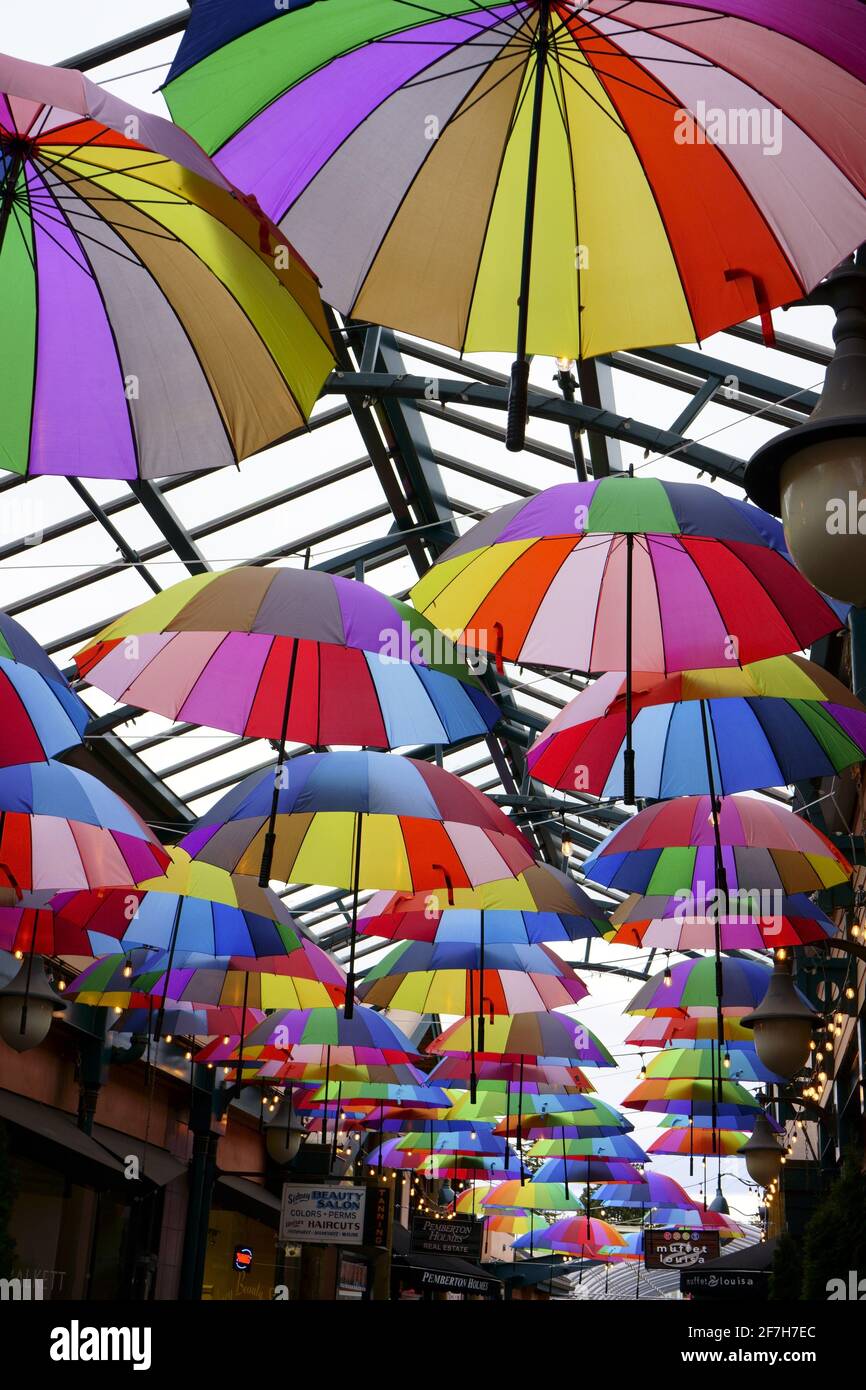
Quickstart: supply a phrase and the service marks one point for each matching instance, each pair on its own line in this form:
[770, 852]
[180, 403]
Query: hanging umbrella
[669, 848]
[474, 1141]
[42, 715]
[409, 978]
[737, 1065]
[533, 1196]
[532, 1036]
[496, 1074]
[187, 1020]
[461, 1167]
[656, 1190]
[684, 1096]
[664, 922]
[559, 911]
[288, 1029]
[284, 653]
[577, 1233]
[588, 1169]
[194, 908]
[687, 1030]
[359, 819]
[155, 321]
[503, 163]
[691, 984]
[654, 576]
[303, 978]
[768, 724]
[501, 1223]
[685, 1140]
[620, 1146]
[62, 828]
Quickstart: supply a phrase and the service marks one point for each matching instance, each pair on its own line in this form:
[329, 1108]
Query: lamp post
[814, 476]
[782, 1022]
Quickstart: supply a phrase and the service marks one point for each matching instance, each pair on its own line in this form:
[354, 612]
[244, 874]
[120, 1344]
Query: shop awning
[252, 1197]
[55, 1127]
[156, 1165]
[441, 1272]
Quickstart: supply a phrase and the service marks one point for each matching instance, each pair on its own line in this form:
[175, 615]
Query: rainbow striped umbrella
[589, 1169]
[424, 979]
[620, 1146]
[755, 921]
[670, 848]
[654, 1190]
[155, 321]
[582, 1235]
[290, 653]
[690, 1097]
[533, 1037]
[365, 1033]
[61, 828]
[361, 820]
[572, 179]
[691, 985]
[687, 1030]
[654, 576]
[188, 1020]
[686, 1140]
[738, 1064]
[42, 715]
[497, 1074]
[468, 1141]
[768, 724]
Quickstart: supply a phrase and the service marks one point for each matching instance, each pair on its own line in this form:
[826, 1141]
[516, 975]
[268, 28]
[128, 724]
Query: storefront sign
[707, 1283]
[458, 1283]
[462, 1238]
[679, 1248]
[378, 1219]
[323, 1214]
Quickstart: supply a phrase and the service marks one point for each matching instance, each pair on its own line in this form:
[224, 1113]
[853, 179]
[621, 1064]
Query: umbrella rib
[561, 102]
[461, 19]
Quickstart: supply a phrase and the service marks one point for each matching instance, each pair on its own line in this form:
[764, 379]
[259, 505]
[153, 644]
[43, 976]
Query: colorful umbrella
[502, 163]
[684, 1096]
[687, 1140]
[156, 322]
[691, 984]
[480, 1141]
[409, 977]
[655, 576]
[687, 1030]
[560, 911]
[359, 819]
[325, 1027]
[769, 724]
[189, 1021]
[194, 908]
[669, 848]
[755, 921]
[620, 1146]
[304, 978]
[463, 1167]
[655, 1190]
[531, 1036]
[42, 715]
[577, 1233]
[496, 1074]
[61, 828]
[533, 1196]
[500, 1223]
[291, 654]
[737, 1065]
[589, 1169]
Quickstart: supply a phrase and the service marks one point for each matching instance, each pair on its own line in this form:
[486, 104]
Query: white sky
[56, 29]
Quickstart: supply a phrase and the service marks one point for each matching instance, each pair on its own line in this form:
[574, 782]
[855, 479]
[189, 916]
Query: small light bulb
[168, 1037]
[19, 955]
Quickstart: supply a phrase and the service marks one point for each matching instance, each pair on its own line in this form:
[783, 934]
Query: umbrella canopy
[577, 1233]
[467, 1166]
[416, 1094]
[669, 848]
[533, 1196]
[620, 1146]
[156, 322]
[324, 1027]
[304, 978]
[687, 1030]
[529, 978]
[704, 566]
[61, 828]
[685, 1096]
[588, 1169]
[480, 1141]
[496, 1074]
[737, 1064]
[502, 1223]
[288, 652]
[558, 910]
[691, 984]
[656, 1190]
[421, 826]
[755, 921]
[195, 908]
[532, 1036]
[42, 715]
[428, 123]
[190, 1021]
[686, 1140]
[768, 724]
